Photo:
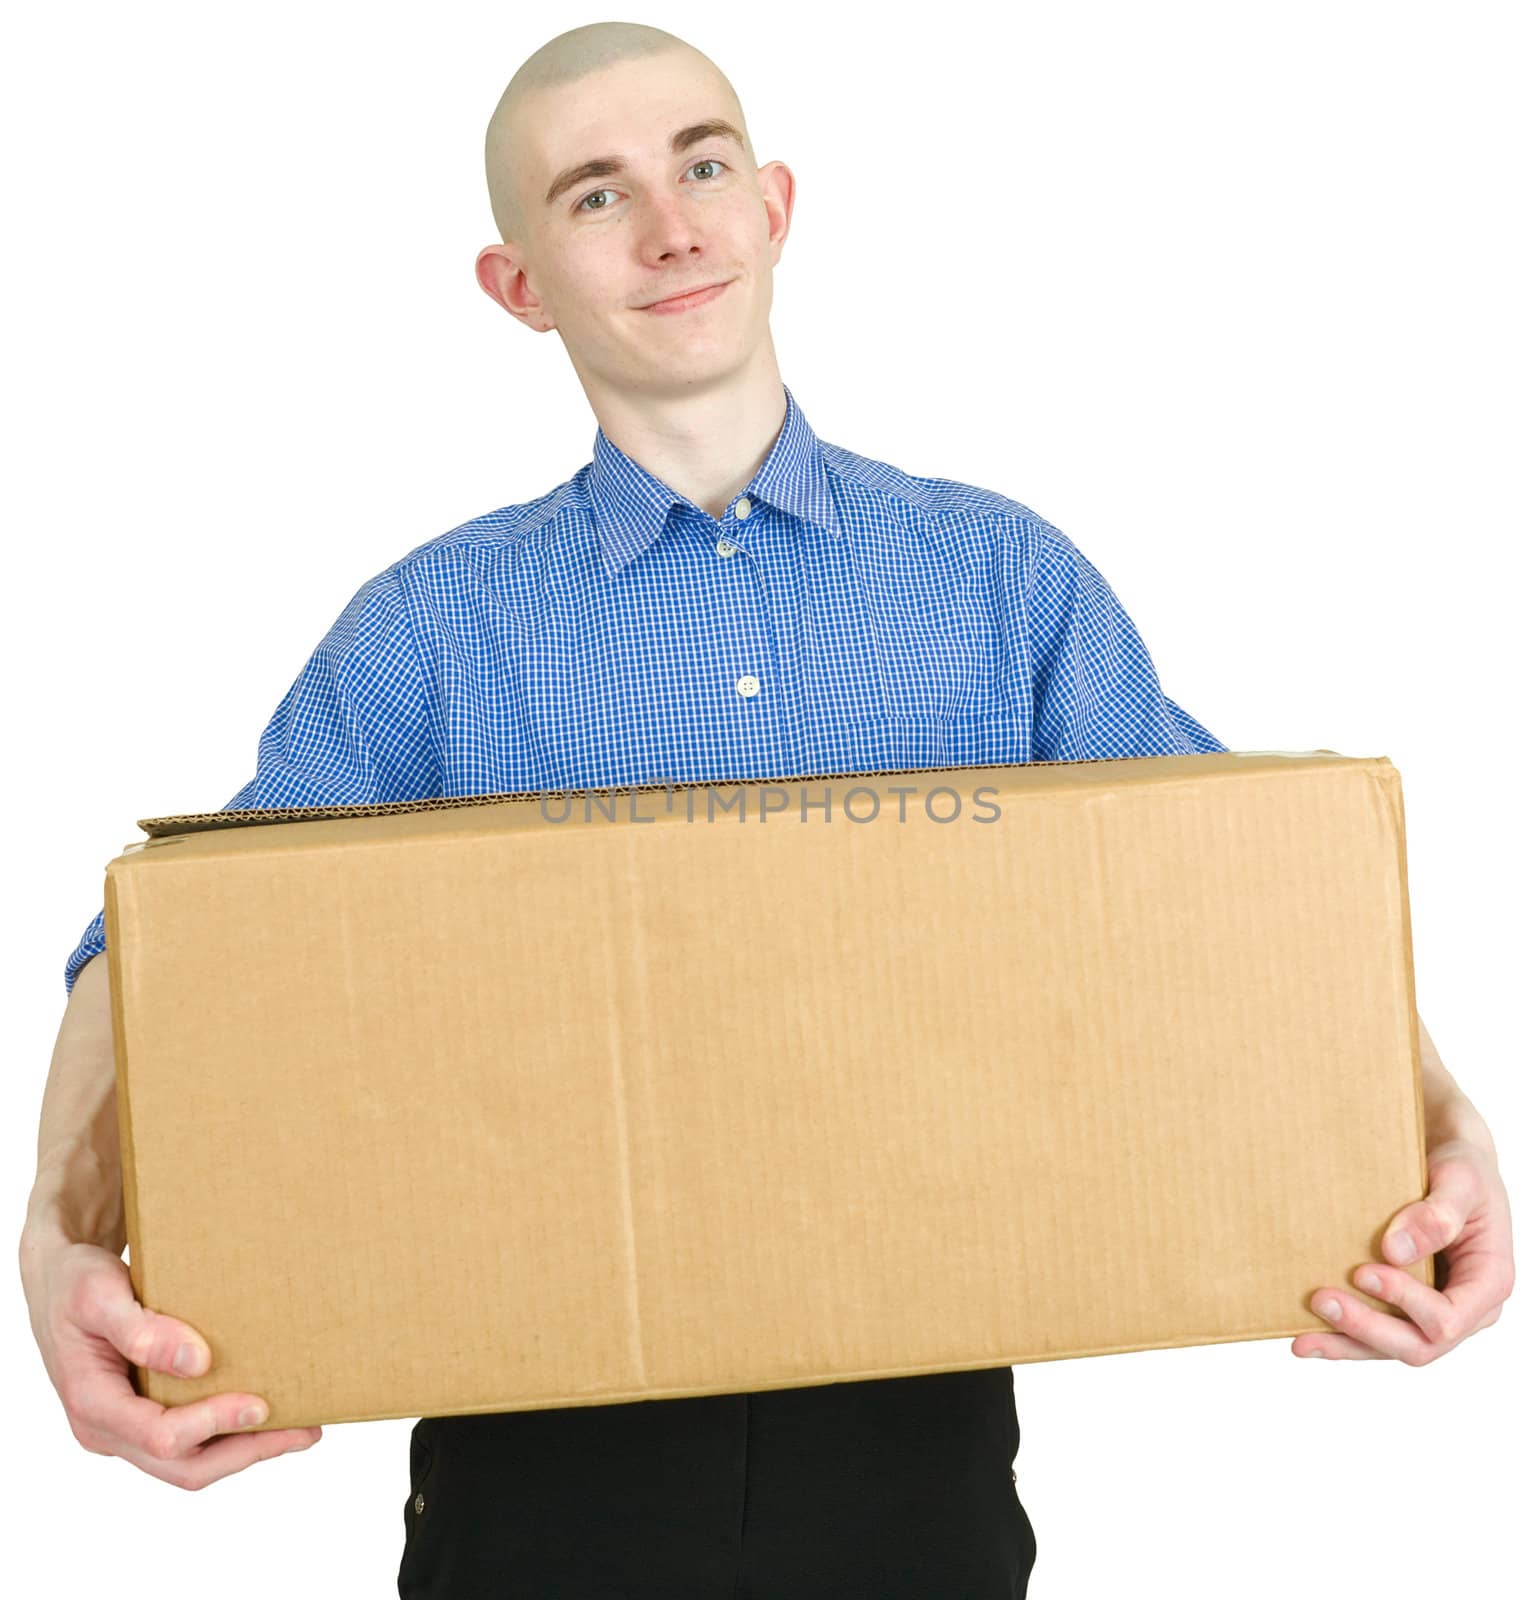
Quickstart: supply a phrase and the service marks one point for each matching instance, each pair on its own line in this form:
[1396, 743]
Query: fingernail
[252, 1415]
[1399, 1249]
[1330, 1310]
[1368, 1281]
[188, 1359]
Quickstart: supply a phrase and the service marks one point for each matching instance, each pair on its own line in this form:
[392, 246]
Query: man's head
[614, 183]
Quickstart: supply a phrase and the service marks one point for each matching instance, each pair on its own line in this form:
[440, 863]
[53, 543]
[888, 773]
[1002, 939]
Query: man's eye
[582, 206]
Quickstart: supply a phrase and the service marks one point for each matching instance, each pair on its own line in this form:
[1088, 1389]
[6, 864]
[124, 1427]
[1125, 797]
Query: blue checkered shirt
[841, 616]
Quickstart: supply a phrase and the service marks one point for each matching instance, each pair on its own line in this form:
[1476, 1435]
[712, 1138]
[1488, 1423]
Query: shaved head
[636, 224]
[564, 59]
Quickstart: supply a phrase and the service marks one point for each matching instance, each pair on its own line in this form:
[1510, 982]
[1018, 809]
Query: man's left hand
[1467, 1221]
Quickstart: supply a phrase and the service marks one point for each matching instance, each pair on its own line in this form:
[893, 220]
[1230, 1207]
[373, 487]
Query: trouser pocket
[419, 1507]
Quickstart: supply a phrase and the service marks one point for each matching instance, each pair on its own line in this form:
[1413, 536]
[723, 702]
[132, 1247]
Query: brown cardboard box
[474, 1105]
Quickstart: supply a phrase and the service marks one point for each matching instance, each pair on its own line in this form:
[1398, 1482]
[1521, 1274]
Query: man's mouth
[688, 298]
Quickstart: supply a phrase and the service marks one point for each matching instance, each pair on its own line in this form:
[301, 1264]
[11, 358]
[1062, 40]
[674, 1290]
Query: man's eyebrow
[611, 166]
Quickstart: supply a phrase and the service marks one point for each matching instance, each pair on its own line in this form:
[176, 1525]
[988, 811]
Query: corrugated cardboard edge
[202, 821]
[1392, 792]
[141, 1375]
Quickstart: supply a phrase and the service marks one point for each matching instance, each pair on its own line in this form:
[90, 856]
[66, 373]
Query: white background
[1234, 295]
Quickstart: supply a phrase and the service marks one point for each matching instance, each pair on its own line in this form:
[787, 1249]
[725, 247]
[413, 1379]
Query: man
[718, 594]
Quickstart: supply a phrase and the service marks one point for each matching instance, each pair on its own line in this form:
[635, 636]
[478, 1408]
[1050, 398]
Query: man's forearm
[77, 1196]
[1449, 1114]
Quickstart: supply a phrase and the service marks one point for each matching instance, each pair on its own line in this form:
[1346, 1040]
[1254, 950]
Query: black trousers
[880, 1489]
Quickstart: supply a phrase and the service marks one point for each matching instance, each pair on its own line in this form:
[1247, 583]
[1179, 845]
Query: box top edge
[1117, 769]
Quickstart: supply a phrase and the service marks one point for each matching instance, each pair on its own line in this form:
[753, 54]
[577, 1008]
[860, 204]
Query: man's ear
[502, 276]
[778, 188]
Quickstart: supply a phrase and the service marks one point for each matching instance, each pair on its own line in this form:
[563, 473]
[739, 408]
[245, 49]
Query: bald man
[718, 594]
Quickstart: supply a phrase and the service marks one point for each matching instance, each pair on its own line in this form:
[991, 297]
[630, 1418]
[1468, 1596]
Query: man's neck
[706, 444]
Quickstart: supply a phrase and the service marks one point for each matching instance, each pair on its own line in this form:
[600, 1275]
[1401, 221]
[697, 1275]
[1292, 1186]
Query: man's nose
[670, 224]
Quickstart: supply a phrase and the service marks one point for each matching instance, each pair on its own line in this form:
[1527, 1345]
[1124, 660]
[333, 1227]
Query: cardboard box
[505, 1103]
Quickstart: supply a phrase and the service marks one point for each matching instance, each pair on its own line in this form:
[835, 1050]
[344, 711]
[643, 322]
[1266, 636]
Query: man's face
[607, 245]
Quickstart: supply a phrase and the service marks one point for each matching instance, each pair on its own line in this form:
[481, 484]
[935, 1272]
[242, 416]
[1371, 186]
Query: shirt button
[742, 508]
[747, 685]
[420, 1504]
[724, 547]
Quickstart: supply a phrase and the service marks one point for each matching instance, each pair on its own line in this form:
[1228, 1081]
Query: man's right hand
[90, 1328]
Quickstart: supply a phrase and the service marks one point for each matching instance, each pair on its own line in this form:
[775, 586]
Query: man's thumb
[147, 1338]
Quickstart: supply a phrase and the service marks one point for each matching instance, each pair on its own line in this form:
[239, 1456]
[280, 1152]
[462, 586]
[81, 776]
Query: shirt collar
[629, 505]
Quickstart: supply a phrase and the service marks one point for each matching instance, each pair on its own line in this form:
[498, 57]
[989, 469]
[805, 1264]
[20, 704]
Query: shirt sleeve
[1095, 693]
[353, 729]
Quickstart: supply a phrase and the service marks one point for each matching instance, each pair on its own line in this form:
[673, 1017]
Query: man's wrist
[1455, 1121]
[1448, 1112]
[52, 1225]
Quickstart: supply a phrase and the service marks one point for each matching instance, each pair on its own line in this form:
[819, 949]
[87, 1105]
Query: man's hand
[89, 1326]
[1467, 1220]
